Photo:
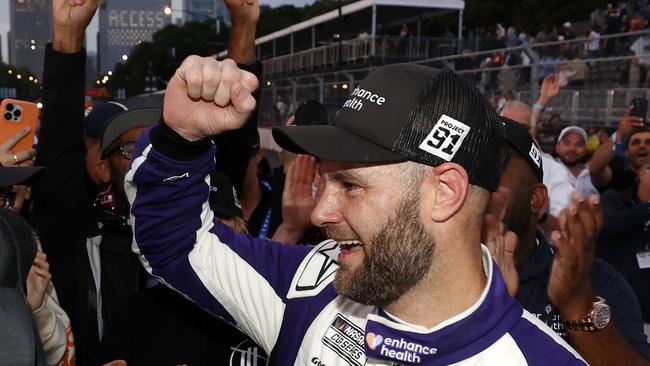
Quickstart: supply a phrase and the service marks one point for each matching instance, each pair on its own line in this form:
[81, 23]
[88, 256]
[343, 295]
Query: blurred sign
[124, 24]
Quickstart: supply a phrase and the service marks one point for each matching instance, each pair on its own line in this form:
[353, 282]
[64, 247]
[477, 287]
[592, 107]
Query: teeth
[350, 242]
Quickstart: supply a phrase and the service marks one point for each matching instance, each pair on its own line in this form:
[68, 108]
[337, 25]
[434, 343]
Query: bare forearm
[605, 347]
[601, 159]
[241, 46]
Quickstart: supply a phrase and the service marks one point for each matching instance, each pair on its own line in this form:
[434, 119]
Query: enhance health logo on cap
[407, 112]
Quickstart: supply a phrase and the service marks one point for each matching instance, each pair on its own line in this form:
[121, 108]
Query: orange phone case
[13, 121]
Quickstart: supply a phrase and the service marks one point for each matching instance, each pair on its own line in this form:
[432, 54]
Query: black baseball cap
[98, 114]
[125, 121]
[223, 196]
[520, 141]
[10, 175]
[410, 112]
[310, 113]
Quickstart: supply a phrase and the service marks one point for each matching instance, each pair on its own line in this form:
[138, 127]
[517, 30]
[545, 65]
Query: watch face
[600, 316]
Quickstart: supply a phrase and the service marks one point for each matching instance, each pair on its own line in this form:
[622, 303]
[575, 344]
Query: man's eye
[350, 186]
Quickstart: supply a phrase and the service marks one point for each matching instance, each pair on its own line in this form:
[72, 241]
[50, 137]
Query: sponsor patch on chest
[346, 339]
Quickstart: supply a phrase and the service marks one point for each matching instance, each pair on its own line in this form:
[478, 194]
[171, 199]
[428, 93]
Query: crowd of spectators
[104, 225]
[569, 52]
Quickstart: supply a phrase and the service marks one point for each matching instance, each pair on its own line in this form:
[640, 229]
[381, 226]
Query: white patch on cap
[536, 155]
[445, 138]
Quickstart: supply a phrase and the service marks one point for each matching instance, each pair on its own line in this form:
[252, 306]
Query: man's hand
[501, 243]
[38, 280]
[7, 158]
[570, 287]
[206, 97]
[70, 19]
[550, 88]
[628, 124]
[23, 193]
[297, 199]
[243, 11]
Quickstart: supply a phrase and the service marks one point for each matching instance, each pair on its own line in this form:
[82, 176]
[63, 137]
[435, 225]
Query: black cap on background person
[13, 175]
[310, 113]
[123, 122]
[98, 114]
[520, 141]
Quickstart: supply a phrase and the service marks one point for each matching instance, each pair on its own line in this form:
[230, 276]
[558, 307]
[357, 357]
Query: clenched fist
[206, 97]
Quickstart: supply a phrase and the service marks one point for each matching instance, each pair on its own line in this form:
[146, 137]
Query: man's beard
[396, 258]
[571, 163]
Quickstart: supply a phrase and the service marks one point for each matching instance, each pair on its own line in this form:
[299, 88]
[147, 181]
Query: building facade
[124, 24]
[31, 29]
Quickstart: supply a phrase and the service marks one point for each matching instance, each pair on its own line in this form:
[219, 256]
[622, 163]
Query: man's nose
[326, 210]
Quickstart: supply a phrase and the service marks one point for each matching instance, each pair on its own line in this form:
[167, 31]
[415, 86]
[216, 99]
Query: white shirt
[557, 180]
[594, 41]
[582, 183]
[641, 49]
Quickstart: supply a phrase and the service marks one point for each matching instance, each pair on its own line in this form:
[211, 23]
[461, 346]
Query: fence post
[609, 105]
[575, 100]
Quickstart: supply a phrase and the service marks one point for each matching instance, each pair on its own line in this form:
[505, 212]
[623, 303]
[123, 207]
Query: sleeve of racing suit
[238, 278]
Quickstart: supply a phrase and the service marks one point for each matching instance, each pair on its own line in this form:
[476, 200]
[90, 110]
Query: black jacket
[626, 231]
[63, 211]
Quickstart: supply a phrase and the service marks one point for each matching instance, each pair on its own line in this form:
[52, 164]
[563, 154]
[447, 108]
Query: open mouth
[349, 244]
[348, 247]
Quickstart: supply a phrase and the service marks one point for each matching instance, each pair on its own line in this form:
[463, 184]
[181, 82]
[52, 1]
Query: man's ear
[103, 171]
[449, 182]
[538, 200]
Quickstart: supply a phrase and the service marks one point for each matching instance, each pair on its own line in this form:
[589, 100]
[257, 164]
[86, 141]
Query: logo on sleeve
[445, 138]
[316, 271]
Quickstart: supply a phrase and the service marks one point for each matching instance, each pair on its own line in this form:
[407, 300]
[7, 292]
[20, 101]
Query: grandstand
[369, 34]
[304, 62]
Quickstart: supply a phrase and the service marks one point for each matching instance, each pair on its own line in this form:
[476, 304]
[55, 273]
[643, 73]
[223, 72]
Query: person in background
[571, 149]
[158, 326]
[51, 322]
[625, 239]
[558, 280]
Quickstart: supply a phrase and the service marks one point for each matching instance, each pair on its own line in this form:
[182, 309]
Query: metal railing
[359, 51]
[597, 99]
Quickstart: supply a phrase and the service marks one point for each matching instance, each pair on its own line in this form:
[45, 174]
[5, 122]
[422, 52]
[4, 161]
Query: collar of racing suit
[459, 337]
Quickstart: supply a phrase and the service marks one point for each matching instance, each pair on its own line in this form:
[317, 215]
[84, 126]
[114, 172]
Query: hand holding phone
[640, 109]
[17, 130]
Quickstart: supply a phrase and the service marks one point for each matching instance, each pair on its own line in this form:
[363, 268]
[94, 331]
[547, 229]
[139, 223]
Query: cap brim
[10, 175]
[332, 143]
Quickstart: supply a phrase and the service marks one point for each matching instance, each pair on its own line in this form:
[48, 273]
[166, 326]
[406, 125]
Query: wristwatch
[596, 320]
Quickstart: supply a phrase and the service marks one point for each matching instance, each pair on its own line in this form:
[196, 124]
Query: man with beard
[405, 170]
[621, 174]
[561, 282]
[571, 149]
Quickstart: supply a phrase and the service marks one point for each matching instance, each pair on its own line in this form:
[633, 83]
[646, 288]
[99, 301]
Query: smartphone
[640, 108]
[16, 115]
